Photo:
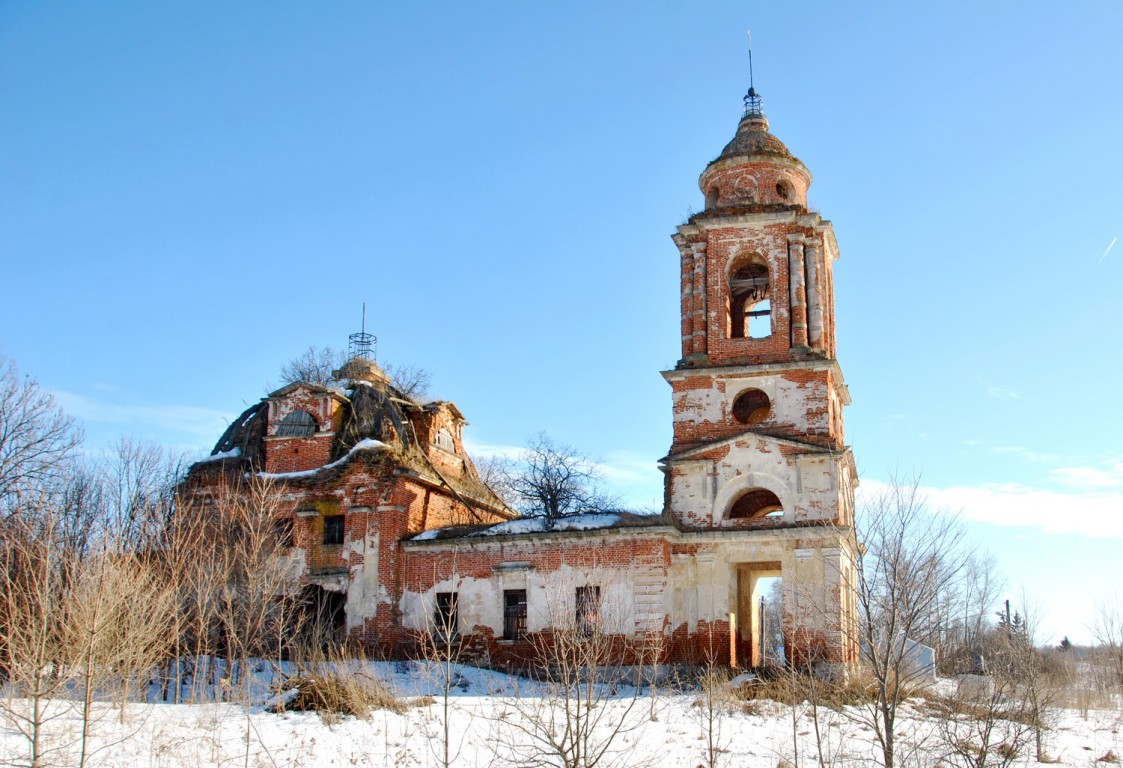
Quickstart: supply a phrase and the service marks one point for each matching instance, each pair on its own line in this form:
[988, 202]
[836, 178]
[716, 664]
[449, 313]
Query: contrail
[1101, 261]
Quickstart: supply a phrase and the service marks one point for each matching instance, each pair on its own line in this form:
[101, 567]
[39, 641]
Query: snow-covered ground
[665, 727]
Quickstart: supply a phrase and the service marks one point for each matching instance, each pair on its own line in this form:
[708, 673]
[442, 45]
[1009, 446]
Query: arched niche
[755, 504]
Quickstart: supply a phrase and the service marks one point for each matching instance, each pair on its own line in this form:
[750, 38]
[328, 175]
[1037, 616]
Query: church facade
[387, 517]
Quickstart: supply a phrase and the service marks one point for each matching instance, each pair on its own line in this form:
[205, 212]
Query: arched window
[444, 440]
[751, 407]
[750, 308]
[712, 197]
[755, 504]
[297, 424]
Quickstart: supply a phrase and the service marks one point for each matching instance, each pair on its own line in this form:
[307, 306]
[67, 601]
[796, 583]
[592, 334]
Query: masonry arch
[749, 298]
[730, 492]
[297, 424]
[755, 504]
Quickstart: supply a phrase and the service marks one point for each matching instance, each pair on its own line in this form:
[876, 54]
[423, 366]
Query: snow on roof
[523, 525]
[233, 453]
[364, 444]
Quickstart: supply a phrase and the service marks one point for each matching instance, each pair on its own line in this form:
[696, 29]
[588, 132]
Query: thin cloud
[205, 424]
[1022, 452]
[1094, 514]
[1109, 247]
[1092, 478]
[1002, 394]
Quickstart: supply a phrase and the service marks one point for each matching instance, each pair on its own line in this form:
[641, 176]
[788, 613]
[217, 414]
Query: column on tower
[798, 294]
[698, 345]
[814, 259]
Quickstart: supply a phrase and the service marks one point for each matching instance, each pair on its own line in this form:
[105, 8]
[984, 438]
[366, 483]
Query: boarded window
[333, 529]
[297, 424]
[514, 614]
[444, 440]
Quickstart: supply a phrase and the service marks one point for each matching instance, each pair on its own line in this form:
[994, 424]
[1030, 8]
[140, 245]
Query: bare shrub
[711, 709]
[438, 650]
[341, 693]
[579, 712]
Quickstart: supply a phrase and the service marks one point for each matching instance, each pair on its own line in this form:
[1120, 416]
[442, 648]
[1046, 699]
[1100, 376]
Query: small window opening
[297, 424]
[444, 440]
[756, 504]
[588, 610]
[712, 197]
[514, 614]
[445, 618]
[283, 532]
[333, 529]
[750, 308]
[751, 407]
[782, 190]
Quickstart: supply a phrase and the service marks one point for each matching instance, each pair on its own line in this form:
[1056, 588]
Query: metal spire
[363, 344]
[752, 98]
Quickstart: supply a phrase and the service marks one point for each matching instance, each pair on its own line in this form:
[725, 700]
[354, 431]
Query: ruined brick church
[386, 517]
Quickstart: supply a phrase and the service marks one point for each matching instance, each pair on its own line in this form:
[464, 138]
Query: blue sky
[192, 193]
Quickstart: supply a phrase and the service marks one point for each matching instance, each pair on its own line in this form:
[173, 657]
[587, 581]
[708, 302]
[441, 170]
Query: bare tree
[317, 365]
[711, 710]
[577, 716]
[911, 554]
[32, 586]
[439, 650]
[411, 381]
[258, 590]
[36, 437]
[553, 481]
[140, 481]
[116, 623]
[313, 366]
[1108, 631]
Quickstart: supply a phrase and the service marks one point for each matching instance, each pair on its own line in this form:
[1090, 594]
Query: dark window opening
[588, 609]
[712, 197]
[445, 618]
[756, 504]
[782, 190]
[750, 308]
[297, 424]
[282, 532]
[751, 407]
[514, 614]
[333, 529]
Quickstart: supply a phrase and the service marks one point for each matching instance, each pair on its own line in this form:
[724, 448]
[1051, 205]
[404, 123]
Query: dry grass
[341, 694]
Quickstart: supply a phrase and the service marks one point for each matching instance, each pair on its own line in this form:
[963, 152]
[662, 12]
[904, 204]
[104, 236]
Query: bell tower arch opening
[749, 299]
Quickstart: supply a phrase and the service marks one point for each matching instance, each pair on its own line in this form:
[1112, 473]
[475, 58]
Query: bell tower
[758, 468]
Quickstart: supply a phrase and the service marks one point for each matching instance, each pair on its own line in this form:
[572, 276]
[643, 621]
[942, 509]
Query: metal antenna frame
[363, 344]
[752, 99]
